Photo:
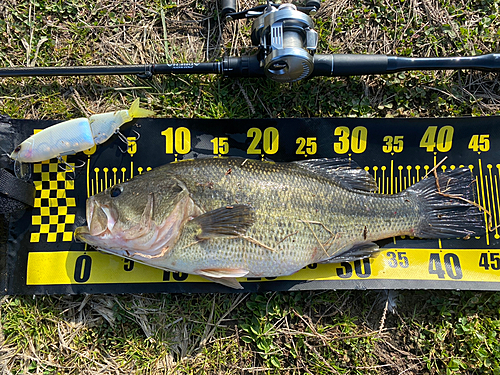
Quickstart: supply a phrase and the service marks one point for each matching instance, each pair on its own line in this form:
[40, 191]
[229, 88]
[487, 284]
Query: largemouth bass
[224, 218]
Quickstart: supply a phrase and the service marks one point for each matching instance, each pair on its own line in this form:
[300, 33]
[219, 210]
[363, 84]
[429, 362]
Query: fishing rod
[286, 41]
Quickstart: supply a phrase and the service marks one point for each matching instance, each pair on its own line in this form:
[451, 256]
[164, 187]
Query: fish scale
[244, 217]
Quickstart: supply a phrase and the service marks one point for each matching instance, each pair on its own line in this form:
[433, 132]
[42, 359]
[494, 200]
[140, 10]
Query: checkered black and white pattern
[53, 212]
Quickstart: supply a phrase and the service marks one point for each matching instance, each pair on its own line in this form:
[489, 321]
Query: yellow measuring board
[395, 264]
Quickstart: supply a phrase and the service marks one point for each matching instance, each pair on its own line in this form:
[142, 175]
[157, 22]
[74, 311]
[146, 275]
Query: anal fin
[230, 282]
[224, 276]
[357, 252]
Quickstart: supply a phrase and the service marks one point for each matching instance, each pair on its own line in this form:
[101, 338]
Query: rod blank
[249, 66]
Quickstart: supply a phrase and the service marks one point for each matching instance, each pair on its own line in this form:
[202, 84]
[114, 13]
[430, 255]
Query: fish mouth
[101, 220]
[82, 234]
[144, 240]
[104, 230]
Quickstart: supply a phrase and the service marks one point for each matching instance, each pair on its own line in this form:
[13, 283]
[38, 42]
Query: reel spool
[287, 41]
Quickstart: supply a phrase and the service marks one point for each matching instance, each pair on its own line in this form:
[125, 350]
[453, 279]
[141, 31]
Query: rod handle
[349, 65]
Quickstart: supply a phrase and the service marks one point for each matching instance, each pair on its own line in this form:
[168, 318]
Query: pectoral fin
[224, 276]
[357, 252]
[226, 221]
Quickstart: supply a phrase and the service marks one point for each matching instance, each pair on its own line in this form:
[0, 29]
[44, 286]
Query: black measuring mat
[43, 258]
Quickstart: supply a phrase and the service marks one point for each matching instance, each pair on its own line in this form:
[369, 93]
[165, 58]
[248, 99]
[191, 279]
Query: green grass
[344, 332]
[316, 332]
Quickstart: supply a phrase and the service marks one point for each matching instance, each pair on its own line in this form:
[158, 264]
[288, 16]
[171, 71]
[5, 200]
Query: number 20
[270, 140]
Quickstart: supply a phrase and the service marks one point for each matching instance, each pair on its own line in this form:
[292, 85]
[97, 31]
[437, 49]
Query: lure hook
[137, 134]
[67, 168]
[126, 140]
[121, 137]
[122, 151]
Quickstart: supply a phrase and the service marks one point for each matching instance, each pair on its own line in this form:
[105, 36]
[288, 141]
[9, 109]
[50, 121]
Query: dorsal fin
[344, 171]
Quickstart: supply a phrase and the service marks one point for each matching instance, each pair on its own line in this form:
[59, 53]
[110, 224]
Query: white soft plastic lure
[72, 136]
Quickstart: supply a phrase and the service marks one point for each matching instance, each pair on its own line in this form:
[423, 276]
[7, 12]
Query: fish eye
[17, 149]
[115, 191]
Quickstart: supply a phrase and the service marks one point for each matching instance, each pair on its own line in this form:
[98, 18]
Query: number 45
[479, 142]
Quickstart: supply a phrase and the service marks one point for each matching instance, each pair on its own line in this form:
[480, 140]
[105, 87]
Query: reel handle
[313, 4]
[228, 6]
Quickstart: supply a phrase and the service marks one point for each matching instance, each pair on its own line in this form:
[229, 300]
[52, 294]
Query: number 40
[442, 142]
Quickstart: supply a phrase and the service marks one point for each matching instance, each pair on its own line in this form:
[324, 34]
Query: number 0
[444, 138]
[83, 266]
[358, 139]
[271, 141]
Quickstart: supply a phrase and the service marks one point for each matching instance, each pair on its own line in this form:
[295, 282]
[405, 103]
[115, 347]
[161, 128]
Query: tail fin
[135, 111]
[443, 215]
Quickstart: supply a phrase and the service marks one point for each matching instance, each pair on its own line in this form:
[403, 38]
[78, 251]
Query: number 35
[393, 144]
